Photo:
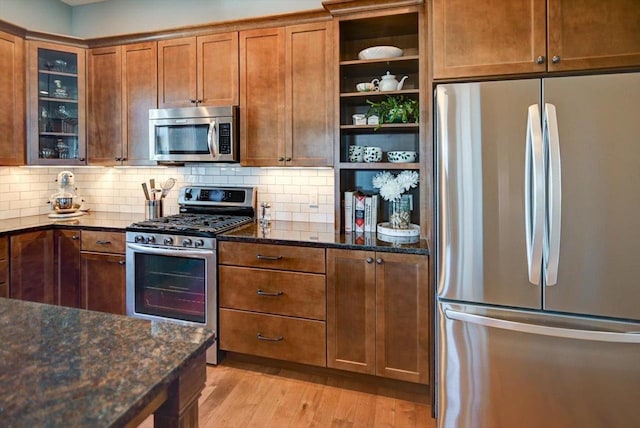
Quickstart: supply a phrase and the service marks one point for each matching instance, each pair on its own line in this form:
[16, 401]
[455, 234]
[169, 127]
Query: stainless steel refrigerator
[538, 225]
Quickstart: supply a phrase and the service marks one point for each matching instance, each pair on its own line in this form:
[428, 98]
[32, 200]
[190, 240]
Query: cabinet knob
[123, 159]
[379, 261]
[280, 159]
[369, 260]
[555, 59]
[118, 159]
[540, 59]
[75, 237]
[287, 159]
[122, 262]
[81, 159]
[193, 101]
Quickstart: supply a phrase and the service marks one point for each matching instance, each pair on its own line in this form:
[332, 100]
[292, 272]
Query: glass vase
[400, 216]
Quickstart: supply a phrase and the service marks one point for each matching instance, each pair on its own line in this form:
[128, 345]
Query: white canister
[372, 154]
[356, 153]
[359, 119]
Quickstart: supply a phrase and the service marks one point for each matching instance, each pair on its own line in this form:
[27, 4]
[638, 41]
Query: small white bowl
[400, 156]
[379, 52]
[365, 87]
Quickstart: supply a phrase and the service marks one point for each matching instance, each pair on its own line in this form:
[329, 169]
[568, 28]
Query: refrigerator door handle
[554, 200]
[568, 333]
[534, 195]
[442, 102]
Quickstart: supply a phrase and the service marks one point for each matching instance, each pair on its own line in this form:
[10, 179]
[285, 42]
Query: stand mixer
[66, 202]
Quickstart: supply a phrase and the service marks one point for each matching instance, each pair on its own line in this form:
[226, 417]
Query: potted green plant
[394, 109]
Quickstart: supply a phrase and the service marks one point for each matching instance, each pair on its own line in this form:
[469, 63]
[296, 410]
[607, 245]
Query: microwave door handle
[212, 140]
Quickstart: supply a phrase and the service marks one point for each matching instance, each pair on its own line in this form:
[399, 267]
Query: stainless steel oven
[172, 262]
[171, 282]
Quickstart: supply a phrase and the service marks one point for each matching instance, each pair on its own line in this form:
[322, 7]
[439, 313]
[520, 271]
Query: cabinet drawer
[284, 257]
[103, 242]
[296, 294]
[292, 339]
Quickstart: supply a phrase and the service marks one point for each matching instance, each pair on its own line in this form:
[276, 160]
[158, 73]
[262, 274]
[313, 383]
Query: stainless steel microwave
[194, 134]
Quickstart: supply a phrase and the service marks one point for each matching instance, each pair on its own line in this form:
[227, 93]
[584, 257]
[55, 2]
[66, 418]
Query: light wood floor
[243, 394]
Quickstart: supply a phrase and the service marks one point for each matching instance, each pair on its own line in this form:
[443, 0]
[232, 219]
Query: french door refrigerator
[538, 225]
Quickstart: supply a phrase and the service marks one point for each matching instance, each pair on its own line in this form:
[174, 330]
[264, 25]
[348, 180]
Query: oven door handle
[168, 251]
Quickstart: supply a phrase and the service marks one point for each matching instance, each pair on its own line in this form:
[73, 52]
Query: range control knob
[139, 238]
[199, 243]
[168, 241]
[151, 240]
[187, 242]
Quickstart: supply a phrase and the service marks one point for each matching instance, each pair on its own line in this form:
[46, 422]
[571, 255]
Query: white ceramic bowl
[378, 52]
[365, 87]
[400, 156]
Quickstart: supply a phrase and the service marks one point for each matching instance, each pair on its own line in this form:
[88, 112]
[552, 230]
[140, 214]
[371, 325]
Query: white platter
[379, 52]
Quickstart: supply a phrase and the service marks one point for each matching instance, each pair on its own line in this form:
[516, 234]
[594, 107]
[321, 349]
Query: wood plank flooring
[244, 394]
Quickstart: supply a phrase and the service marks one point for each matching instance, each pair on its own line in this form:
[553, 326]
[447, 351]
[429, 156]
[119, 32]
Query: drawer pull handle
[270, 339]
[265, 293]
[101, 242]
[261, 257]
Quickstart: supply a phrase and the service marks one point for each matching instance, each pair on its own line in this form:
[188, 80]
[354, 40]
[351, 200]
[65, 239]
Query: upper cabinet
[198, 71]
[122, 88]
[12, 111]
[56, 104]
[286, 96]
[529, 36]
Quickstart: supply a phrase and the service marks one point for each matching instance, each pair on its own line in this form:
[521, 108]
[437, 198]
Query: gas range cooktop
[193, 224]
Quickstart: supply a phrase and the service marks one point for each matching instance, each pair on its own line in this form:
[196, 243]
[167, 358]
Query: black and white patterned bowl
[400, 156]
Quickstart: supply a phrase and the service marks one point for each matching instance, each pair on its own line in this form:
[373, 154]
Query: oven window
[171, 287]
[182, 139]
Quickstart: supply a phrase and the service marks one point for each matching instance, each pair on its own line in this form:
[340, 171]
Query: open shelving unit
[404, 28]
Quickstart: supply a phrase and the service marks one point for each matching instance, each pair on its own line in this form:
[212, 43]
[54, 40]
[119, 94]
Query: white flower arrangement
[392, 188]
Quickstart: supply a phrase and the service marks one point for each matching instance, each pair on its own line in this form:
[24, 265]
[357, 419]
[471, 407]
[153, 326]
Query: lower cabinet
[67, 267]
[272, 301]
[32, 267]
[378, 314]
[102, 271]
[4, 267]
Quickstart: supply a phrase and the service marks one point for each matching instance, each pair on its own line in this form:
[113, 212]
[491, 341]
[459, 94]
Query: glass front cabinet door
[56, 94]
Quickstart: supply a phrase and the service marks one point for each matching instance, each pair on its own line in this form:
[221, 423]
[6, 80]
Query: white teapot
[389, 82]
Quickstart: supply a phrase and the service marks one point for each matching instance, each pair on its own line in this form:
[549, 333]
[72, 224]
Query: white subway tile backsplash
[26, 190]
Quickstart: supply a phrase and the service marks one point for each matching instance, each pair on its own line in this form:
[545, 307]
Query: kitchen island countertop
[70, 367]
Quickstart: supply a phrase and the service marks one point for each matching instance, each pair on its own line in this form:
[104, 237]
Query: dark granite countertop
[280, 232]
[92, 220]
[63, 367]
[319, 235]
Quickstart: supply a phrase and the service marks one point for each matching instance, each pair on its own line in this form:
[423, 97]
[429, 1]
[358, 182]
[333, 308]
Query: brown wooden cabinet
[12, 94]
[67, 267]
[4, 266]
[199, 70]
[526, 36]
[56, 104]
[378, 314]
[272, 301]
[122, 87]
[102, 271]
[32, 267]
[286, 95]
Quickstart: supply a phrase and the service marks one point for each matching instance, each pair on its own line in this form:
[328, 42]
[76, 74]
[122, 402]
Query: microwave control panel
[224, 138]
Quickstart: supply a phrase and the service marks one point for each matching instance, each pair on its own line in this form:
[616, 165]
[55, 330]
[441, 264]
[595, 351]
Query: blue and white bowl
[401, 156]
